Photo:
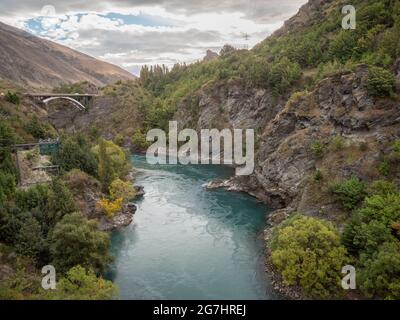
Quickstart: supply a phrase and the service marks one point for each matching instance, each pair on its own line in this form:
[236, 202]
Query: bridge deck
[69, 95]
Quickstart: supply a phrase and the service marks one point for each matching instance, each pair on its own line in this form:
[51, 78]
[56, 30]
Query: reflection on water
[189, 243]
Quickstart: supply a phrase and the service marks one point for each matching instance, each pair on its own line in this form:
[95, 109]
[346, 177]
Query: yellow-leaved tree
[110, 207]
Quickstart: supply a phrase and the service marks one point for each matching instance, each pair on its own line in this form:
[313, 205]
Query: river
[190, 243]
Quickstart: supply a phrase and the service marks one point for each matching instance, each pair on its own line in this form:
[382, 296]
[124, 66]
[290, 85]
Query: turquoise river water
[190, 243]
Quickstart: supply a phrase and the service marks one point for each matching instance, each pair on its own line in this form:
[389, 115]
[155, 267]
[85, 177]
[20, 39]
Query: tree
[76, 241]
[82, 284]
[75, 153]
[380, 82]
[7, 139]
[107, 173]
[342, 46]
[122, 189]
[29, 241]
[113, 163]
[7, 185]
[382, 188]
[307, 252]
[349, 192]
[371, 226]
[283, 74]
[139, 141]
[379, 275]
[226, 50]
[60, 202]
[38, 129]
[110, 207]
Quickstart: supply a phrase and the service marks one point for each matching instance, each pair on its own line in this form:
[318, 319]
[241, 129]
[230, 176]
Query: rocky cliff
[338, 110]
[339, 107]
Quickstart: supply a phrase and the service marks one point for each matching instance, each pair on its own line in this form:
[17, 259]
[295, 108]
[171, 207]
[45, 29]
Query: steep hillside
[30, 61]
[325, 105]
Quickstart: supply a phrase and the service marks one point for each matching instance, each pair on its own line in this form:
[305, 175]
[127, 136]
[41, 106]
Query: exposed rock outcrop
[122, 219]
[228, 105]
[87, 193]
[210, 55]
[338, 106]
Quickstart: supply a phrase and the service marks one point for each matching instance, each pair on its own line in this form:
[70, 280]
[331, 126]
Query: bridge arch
[76, 103]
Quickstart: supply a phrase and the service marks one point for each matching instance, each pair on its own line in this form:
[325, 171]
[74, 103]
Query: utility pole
[246, 38]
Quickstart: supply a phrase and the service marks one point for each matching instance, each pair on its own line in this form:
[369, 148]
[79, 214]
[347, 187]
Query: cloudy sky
[132, 33]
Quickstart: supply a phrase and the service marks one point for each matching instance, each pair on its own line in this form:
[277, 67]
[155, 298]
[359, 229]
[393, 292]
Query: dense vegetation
[42, 224]
[308, 252]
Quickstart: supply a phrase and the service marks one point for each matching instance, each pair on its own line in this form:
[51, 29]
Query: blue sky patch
[142, 20]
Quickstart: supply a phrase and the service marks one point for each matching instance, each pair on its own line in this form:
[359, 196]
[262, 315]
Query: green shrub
[7, 185]
[77, 241]
[122, 190]
[7, 139]
[283, 74]
[30, 241]
[343, 45]
[227, 50]
[382, 188]
[139, 142]
[79, 182]
[349, 192]
[119, 139]
[379, 275]
[364, 236]
[318, 176]
[396, 146]
[380, 82]
[337, 143]
[307, 252]
[94, 133]
[82, 284]
[13, 98]
[372, 224]
[38, 129]
[394, 156]
[50, 202]
[75, 153]
[384, 168]
[317, 148]
[331, 68]
[113, 163]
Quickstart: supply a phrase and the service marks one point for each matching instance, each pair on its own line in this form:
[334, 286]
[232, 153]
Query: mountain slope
[31, 61]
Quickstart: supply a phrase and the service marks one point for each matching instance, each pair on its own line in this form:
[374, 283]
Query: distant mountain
[31, 61]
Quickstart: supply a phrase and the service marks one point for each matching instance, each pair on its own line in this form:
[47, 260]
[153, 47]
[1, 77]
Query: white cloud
[194, 26]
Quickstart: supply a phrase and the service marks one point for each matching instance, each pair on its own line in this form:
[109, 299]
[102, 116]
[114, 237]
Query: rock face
[230, 105]
[309, 12]
[338, 106]
[122, 219]
[210, 55]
